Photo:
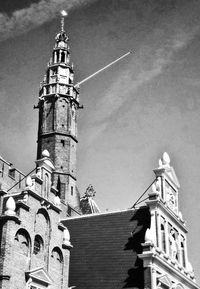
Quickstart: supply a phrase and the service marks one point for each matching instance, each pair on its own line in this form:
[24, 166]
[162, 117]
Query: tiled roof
[105, 249]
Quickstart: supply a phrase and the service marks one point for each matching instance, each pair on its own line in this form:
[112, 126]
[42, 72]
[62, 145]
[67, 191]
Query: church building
[51, 237]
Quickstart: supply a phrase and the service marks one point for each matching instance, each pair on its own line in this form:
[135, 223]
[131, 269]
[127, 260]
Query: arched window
[73, 121]
[42, 226]
[163, 243]
[38, 245]
[63, 56]
[182, 252]
[56, 254]
[173, 244]
[21, 253]
[46, 185]
[56, 266]
[22, 242]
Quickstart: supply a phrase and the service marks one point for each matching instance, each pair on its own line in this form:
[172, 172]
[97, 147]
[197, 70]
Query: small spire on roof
[63, 15]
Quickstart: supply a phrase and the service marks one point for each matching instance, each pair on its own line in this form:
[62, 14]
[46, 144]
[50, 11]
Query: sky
[144, 105]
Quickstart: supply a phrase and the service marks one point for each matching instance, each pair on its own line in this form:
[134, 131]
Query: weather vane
[63, 15]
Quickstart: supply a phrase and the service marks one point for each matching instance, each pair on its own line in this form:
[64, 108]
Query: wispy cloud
[35, 15]
[147, 63]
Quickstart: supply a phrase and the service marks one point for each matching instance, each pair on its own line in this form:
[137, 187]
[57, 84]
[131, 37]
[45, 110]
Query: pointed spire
[61, 36]
[63, 15]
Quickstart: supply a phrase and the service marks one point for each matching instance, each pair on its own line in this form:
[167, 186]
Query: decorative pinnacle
[63, 15]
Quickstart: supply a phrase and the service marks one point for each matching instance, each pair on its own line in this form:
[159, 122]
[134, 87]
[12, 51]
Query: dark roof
[105, 249]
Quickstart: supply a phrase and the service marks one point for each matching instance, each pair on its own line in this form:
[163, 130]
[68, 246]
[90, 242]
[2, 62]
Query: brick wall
[35, 217]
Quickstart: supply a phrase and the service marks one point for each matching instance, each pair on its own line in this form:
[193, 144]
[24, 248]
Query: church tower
[165, 247]
[57, 131]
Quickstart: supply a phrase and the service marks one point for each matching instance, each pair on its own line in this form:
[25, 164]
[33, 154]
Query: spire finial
[63, 15]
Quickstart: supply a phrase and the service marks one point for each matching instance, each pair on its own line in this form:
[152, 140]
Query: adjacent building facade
[142, 247]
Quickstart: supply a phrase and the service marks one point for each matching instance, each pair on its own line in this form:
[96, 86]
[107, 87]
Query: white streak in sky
[146, 64]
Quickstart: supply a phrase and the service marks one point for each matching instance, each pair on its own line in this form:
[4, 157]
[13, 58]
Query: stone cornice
[151, 257]
[44, 201]
[66, 174]
[5, 218]
[58, 133]
[159, 204]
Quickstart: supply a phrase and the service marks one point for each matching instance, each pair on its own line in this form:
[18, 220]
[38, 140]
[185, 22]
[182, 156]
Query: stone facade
[35, 246]
[165, 246]
[9, 176]
[143, 247]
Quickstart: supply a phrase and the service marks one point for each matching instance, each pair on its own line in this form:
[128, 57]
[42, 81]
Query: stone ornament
[66, 239]
[45, 154]
[29, 182]
[10, 207]
[56, 201]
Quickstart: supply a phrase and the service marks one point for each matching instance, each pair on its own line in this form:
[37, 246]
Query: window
[38, 245]
[2, 169]
[46, 185]
[62, 142]
[53, 72]
[62, 191]
[22, 244]
[53, 89]
[69, 210]
[20, 179]
[56, 266]
[173, 248]
[182, 252]
[11, 173]
[163, 243]
[72, 191]
[56, 254]
[63, 56]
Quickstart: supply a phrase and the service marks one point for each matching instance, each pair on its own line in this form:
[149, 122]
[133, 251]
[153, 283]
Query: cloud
[145, 65]
[35, 15]
[152, 57]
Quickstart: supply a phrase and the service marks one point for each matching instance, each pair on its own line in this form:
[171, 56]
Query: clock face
[170, 197]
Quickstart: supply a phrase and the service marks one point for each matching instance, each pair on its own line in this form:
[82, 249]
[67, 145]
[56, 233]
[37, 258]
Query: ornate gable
[166, 169]
[164, 280]
[170, 172]
[165, 246]
[39, 275]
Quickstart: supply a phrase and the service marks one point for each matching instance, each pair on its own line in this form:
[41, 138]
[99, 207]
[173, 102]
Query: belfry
[57, 131]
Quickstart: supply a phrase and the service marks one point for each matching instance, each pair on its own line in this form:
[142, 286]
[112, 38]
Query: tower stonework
[57, 131]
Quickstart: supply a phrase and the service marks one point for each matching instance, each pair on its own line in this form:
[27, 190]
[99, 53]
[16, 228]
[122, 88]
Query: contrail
[103, 68]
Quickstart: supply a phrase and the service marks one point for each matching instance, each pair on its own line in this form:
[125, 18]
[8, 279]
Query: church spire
[63, 15]
[58, 105]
